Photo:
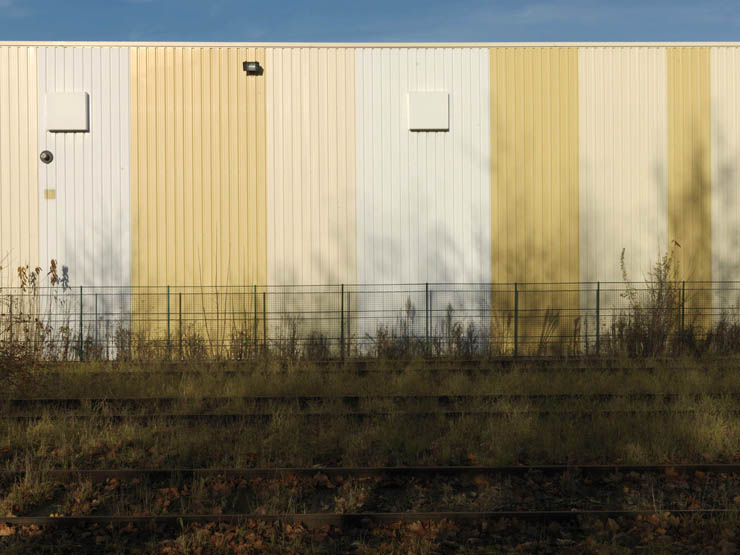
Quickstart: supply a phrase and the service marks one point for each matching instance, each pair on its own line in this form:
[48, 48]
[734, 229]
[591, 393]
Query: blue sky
[371, 21]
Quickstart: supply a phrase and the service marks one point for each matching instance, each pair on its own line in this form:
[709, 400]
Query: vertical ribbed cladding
[198, 185]
[623, 167]
[311, 166]
[84, 193]
[311, 184]
[725, 71]
[423, 198]
[198, 167]
[689, 170]
[535, 190]
[19, 204]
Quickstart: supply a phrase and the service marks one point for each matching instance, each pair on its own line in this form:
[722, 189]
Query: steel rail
[354, 400]
[353, 519]
[99, 475]
[107, 374]
[266, 417]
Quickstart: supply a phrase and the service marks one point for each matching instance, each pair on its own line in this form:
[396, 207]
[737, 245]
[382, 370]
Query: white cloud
[11, 8]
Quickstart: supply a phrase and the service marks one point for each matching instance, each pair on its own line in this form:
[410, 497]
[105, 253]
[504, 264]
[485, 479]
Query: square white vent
[67, 111]
[429, 111]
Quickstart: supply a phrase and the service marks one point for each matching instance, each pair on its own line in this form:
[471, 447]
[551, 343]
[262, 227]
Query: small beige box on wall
[429, 111]
[67, 111]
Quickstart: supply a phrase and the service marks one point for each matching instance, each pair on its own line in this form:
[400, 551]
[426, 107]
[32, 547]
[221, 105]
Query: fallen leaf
[6, 530]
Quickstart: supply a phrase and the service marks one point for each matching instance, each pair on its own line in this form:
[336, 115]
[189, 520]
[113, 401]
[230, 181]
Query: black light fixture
[253, 68]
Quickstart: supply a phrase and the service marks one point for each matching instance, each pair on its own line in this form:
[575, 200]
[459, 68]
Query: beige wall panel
[19, 205]
[534, 185]
[311, 219]
[725, 71]
[311, 166]
[622, 150]
[689, 168]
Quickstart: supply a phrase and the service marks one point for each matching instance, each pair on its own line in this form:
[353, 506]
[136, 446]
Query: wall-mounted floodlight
[253, 68]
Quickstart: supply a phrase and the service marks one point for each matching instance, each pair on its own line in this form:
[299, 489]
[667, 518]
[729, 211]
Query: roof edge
[365, 44]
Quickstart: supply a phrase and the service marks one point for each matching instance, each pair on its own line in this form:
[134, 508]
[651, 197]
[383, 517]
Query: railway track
[357, 415]
[374, 472]
[355, 520]
[351, 400]
[402, 476]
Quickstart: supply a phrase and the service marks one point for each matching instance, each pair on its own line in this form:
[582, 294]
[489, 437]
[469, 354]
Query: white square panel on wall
[67, 111]
[429, 111]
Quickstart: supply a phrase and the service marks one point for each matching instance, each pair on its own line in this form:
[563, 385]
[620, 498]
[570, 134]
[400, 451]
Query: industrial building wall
[623, 171]
[556, 159]
[198, 192]
[535, 187]
[198, 187]
[725, 106]
[311, 166]
[311, 224]
[84, 193]
[423, 197]
[19, 221]
[689, 168]
[623, 166]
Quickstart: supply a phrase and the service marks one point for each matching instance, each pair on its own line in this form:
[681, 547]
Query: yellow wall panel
[198, 167]
[19, 193]
[689, 167]
[198, 198]
[534, 183]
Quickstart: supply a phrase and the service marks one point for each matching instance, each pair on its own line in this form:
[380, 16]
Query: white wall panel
[87, 226]
[423, 198]
[725, 94]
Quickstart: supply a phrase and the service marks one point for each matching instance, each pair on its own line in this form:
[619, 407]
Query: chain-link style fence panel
[336, 321]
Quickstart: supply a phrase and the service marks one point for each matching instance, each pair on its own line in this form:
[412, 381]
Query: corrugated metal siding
[689, 159]
[534, 183]
[197, 167]
[86, 227]
[423, 198]
[311, 166]
[689, 166]
[725, 71]
[622, 149]
[534, 146]
[19, 218]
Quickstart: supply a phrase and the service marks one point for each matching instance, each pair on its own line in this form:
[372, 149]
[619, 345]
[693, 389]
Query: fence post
[516, 320]
[683, 305]
[255, 318]
[264, 319]
[426, 311]
[598, 317]
[10, 315]
[169, 340]
[341, 324]
[82, 354]
[179, 298]
[349, 323]
[96, 320]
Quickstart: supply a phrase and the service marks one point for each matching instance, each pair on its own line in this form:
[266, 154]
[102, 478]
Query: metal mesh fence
[321, 322]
